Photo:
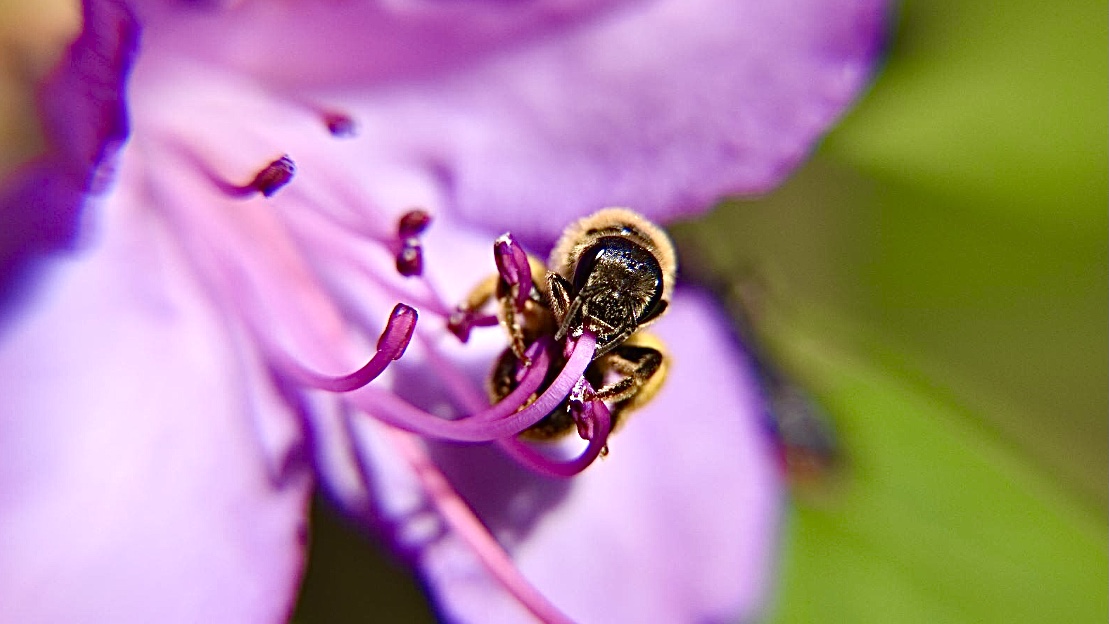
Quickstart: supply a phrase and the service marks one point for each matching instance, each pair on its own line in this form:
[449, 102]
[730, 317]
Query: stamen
[271, 178]
[390, 347]
[461, 519]
[599, 420]
[462, 320]
[499, 421]
[512, 264]
[410, 258]
[339, 124]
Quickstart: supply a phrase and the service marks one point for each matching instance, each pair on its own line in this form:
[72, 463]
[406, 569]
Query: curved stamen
[595, 419]
[390, 347]
[461, 519]
[267, 181]
[500, 420]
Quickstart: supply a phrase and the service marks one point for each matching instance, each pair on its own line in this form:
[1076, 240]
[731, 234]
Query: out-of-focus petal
[149, 469]
[369, 41]
[84, 111]
[85, 121]
[663, 106]
[677, 524]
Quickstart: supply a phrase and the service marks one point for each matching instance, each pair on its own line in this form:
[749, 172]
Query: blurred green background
[936, 277]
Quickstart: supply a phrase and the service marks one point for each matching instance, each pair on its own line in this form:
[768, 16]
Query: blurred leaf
[959, 213]
[1002, 102]
[935, 521]
[1006, 314]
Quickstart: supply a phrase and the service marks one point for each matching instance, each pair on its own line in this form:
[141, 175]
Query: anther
[339, 124]
[413, 223]
[272, 177]
[597, 413]
[581, 408]
[390, 347]
[512, 264]
[398, 331]
[462, 321]
[410, 258]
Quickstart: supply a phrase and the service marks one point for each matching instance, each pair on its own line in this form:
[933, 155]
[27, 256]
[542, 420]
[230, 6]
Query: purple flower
[217, 236]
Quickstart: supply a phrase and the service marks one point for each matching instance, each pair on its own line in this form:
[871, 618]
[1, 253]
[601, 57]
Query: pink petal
[525, 121]
[85, 121]
[662, 106]
[83, 106]
[677, 524]
[149, 470]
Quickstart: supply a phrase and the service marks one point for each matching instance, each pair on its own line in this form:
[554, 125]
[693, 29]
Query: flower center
[545, 384]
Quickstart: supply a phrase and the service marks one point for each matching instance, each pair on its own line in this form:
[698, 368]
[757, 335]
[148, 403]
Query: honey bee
[611, 273]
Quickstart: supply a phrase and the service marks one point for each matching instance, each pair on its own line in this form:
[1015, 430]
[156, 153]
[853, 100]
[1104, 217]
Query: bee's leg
[514, 326]
[481, 294]
[611, 341]
[643, 369]
[559, 289]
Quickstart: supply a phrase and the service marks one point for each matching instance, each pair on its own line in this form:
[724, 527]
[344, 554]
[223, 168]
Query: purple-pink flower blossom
[233, 277]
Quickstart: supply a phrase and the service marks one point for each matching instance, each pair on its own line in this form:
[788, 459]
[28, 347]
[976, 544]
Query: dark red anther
[583, 418]
[410, 258]
[340, 124]
[273, 176]
[463, 320]
[459, 324]
[413, 223]
[581, 407]
[512, 264]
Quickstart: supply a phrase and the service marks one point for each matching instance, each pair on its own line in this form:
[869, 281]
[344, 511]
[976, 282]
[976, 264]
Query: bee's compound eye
[586, 263]
[618, 268]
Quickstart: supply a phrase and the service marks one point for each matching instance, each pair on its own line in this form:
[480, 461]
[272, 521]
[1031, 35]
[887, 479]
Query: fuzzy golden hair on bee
[584, 232]
[612, 273]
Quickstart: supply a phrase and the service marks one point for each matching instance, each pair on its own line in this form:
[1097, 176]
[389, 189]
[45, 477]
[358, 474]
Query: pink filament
[500, 420]
[461, 519]
[390, 347]
[527, 455]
